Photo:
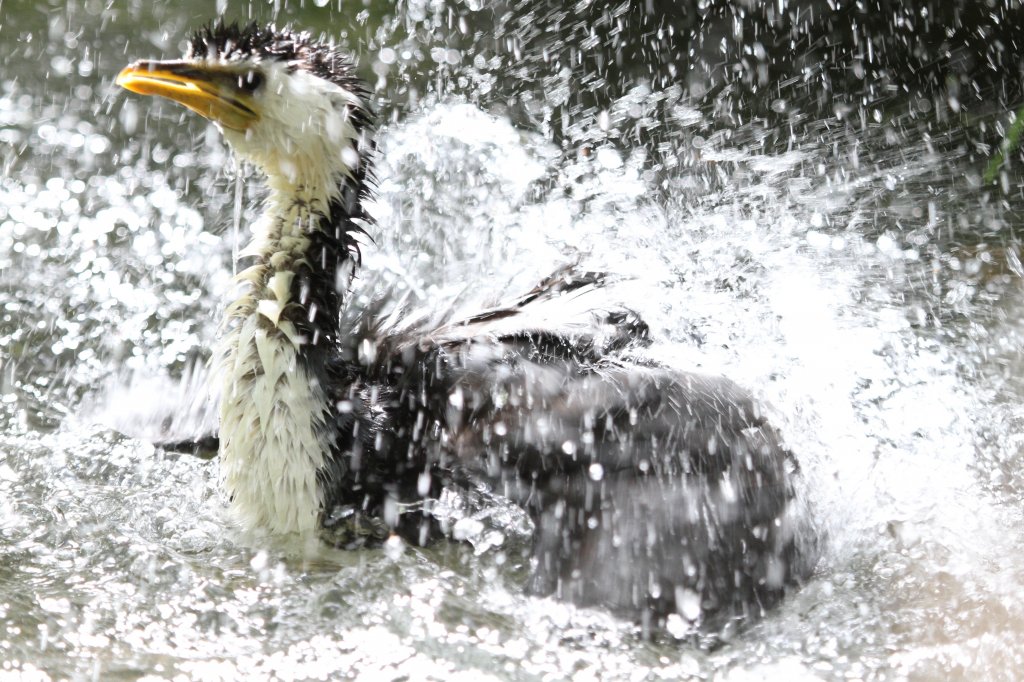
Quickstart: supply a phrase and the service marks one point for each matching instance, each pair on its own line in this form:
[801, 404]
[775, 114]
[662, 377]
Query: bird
[661, 494]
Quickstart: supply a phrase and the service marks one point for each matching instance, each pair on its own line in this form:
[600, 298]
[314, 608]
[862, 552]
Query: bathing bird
[654, 492]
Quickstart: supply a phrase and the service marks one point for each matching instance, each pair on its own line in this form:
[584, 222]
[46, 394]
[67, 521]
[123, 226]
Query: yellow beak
[210, 91]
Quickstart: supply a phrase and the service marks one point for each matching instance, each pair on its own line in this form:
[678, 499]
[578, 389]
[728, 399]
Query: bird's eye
[250, 81]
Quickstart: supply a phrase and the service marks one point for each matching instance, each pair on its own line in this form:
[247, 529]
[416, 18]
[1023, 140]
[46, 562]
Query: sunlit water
[888, 356]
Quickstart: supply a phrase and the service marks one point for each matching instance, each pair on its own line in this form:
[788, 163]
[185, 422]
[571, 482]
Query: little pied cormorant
[653, 491]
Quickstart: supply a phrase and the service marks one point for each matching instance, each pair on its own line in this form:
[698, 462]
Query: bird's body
[653, 490]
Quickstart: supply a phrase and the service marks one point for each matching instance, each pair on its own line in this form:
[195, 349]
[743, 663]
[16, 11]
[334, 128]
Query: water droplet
[688, 604]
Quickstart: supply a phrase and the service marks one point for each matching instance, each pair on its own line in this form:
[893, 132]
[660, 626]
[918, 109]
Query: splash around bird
[654, 491]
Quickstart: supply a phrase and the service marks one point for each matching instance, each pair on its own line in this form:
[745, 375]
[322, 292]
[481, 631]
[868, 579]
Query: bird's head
[285, 101]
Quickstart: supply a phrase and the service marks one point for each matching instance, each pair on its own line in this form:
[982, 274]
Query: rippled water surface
[862, 279]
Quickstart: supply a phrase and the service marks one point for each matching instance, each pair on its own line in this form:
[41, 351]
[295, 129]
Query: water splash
[830, 280]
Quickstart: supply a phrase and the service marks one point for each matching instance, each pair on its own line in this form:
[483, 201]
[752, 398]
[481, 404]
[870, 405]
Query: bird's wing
[539, 385]
[570, 310]
[549, 417]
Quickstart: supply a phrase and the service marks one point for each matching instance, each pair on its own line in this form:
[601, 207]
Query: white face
[298, 128]
[303, 136]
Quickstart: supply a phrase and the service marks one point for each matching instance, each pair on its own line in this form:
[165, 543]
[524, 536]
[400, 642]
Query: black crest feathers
[298, 49]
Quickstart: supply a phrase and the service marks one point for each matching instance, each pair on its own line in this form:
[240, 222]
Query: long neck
[277, 425]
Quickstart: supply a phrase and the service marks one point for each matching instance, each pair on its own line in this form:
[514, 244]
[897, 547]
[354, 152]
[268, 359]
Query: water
[858, 278]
